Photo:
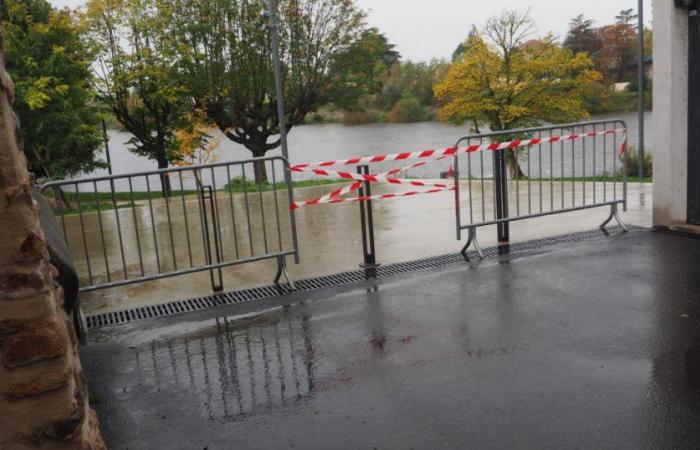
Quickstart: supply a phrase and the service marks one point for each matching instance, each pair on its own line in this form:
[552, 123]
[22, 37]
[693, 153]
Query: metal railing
[130, 228]
[556, 177]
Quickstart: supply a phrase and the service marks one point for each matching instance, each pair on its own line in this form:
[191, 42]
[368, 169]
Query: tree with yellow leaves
[195, 145]
[504, 79]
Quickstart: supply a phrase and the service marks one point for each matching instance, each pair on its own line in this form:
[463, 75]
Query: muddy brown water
[329, 239]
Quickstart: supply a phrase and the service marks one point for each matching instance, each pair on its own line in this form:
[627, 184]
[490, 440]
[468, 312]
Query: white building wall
[670, 141]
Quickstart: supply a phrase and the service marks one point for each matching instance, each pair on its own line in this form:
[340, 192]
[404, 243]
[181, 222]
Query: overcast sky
[425, 29]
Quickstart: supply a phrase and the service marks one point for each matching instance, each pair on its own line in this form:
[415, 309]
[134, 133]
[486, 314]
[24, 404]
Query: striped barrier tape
[320, 201]
[430, 155]
[358, 184]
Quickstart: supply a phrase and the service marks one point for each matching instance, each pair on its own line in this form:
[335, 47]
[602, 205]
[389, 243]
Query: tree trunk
[164, 178]
[259, 167]
[260, 170]
[514, 169]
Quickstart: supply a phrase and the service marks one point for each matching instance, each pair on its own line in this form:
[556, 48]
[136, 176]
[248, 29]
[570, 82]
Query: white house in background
[676, 141]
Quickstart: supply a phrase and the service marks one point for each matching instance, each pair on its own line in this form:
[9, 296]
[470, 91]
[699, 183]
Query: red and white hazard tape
[451, 151]
[371, 178]
[430, 155]
[320, 201]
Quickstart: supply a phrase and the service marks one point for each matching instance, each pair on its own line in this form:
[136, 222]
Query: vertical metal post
[367, 222]
[279, 92]
[206, 236]
[500, 180]
[105, 137]
[640, 86]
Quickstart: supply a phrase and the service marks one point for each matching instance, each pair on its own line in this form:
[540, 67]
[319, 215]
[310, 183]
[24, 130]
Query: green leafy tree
[463, 46]
[51, 70]
[582, 37]
[358, 72]
[410, 79]
[225, 53]
[506, 80]
[137, 76]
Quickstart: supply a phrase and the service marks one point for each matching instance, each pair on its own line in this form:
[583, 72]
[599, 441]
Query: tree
[463, 46]
[618, 51]
[358, 72]
[507, 81]
[51, 71]
[137, 74]
[225, 52]
[626, 17]
[648, 41]
[582, 37]
[196, 144]
[410, 79]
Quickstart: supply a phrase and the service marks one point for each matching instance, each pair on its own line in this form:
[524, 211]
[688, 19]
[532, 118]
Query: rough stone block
[17, 285]
[35, 340]
[41, 384]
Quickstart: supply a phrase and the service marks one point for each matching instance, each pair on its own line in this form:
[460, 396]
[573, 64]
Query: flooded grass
[86, 202]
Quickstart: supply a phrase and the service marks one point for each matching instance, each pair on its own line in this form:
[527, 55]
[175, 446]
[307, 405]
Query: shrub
[408, 109]
[359, 117]
[633, 163]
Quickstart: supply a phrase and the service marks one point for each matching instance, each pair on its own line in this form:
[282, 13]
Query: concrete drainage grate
[260, 293]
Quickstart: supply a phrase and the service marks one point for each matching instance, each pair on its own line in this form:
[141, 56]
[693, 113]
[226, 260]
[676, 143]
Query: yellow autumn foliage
[536, 81]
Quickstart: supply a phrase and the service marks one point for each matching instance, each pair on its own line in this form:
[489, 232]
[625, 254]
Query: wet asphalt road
[593, 344]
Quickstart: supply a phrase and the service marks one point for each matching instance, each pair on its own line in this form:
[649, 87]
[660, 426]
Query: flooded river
[322, 142]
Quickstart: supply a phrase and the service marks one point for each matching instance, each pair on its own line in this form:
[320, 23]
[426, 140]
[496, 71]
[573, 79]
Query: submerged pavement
[588, 344]
[330, 238]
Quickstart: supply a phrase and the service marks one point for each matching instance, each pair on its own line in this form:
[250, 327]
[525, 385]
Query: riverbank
[612, 102]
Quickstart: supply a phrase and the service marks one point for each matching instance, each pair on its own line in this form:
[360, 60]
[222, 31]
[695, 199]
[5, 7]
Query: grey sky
[425, 29]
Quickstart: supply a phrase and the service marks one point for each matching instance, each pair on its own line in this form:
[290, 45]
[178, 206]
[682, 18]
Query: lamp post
[279, 90]
[640, 85]
[281, 117]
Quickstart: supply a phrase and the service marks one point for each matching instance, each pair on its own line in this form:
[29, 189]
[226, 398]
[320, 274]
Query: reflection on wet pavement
[237, 368]
[587, 345]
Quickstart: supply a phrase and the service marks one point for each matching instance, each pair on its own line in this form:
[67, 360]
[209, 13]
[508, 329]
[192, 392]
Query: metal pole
[640, 86]
[105, 137]
[500, 180]
[279, 90]
[367, 222]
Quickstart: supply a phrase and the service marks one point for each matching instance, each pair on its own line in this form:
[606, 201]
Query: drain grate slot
[310, 284]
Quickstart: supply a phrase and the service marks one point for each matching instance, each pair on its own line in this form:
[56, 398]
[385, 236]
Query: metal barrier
[579, 171]
[130, 228]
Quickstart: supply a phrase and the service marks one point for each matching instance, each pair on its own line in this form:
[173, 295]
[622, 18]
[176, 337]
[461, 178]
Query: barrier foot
[472, 239]
[282, 270]
[614, 214]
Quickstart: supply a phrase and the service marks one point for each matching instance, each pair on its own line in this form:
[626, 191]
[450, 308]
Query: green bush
[408, 109]
[633, 163]
[359, 117]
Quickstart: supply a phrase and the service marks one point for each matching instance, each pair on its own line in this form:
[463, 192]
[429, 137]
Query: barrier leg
[367, 223]
[472, 240]
[614, 214]
[500, 179]
[282, 270]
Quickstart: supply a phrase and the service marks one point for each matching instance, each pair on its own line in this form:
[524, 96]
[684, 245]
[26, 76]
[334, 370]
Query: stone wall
[43, 393]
